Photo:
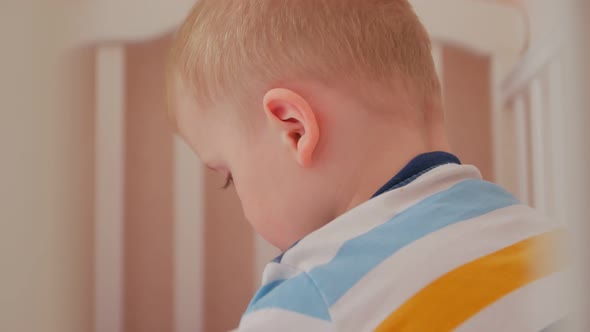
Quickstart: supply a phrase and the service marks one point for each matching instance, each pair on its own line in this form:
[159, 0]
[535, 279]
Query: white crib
[530, 100]
[527, 129]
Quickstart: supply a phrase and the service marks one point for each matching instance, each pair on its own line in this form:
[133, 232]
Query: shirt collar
[416, 167]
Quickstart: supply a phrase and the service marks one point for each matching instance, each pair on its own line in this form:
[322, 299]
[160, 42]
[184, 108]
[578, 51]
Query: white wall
[577, 154]
[44, 202]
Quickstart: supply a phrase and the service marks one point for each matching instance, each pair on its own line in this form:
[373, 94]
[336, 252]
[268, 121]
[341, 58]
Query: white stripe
[415, 266]
[322, 245]
[275, 271]
[188, 238]
[108, 223]
[283, 321]
[530, 308]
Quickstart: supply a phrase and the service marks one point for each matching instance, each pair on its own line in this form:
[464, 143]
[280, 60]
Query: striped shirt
[443, 250]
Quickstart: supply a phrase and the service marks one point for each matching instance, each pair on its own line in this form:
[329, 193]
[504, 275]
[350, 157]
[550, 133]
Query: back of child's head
[306, 105]
[226, 50]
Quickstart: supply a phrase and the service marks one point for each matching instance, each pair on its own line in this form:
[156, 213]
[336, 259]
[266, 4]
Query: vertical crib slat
[557, 145]
[109, 213]
[501, 126]
[188, 230]
[522, 164]
[537, 144]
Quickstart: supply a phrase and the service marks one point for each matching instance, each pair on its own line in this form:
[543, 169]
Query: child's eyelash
[228, 181]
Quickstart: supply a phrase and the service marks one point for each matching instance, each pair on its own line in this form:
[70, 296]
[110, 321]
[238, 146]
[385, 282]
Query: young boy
[326, 116]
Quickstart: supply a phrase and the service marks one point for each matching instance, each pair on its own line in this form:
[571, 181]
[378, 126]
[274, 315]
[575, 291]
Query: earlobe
[295, 121]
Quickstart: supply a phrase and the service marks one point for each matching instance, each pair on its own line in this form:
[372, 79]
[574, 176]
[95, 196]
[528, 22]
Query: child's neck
[390, 154]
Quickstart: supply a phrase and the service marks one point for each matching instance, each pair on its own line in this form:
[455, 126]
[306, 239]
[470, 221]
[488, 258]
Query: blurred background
[109, 223]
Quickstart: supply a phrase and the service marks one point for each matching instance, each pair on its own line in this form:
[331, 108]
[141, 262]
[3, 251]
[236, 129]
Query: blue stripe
[313, 293]
[298, 294]
[264, 290]
[358, 256]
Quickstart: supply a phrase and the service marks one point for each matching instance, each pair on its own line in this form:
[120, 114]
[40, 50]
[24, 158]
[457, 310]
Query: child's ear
[295, 121]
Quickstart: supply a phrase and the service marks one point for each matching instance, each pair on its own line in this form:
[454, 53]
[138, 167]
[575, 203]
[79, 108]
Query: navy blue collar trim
[280, 257]
[418, 166]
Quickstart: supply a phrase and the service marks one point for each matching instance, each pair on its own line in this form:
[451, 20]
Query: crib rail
[530, 101]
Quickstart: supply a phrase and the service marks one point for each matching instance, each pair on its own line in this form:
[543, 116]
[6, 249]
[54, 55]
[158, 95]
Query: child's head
[307, 104]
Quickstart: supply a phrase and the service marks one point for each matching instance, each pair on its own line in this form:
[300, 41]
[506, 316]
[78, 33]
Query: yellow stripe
[452, 299]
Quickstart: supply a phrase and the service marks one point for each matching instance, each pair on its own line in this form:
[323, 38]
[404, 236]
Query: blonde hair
[226, 48]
